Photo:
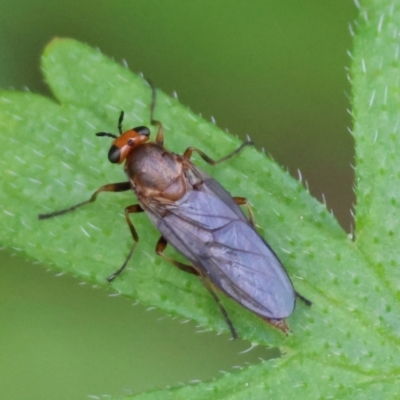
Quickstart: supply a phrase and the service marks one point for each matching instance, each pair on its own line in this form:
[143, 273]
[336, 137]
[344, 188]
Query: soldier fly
[200, 219]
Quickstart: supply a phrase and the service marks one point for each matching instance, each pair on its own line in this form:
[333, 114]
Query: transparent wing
[212, 232]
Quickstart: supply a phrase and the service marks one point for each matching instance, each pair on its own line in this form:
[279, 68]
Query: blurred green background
[275, 70]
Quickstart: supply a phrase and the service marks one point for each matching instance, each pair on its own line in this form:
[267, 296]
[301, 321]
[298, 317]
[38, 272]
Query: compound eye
[142, 130]
[114, 154]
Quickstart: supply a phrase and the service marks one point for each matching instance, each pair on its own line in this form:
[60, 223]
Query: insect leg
[188, 153]
[160, 247]
[302, 298]
[242, 201]
[112, 187]
[128, 210]
[160, 134]
[208, 286]
[120, 119]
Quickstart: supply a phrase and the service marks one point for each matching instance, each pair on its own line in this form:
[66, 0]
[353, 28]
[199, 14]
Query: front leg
[112, 187]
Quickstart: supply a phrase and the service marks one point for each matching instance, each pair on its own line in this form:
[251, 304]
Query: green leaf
[346, 345]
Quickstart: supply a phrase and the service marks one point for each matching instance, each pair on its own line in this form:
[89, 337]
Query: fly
[200, 219]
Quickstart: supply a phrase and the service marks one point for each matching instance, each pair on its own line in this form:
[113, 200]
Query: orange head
[126, 141]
